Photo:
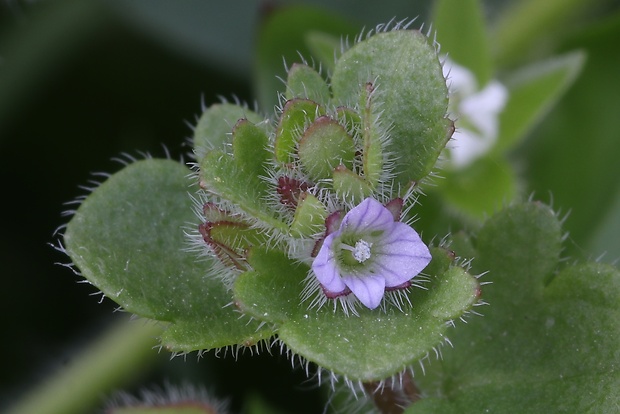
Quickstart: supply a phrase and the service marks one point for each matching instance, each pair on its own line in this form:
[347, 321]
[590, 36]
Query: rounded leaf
[128, 238]
[325, 145]
[411, 91]
[372, 346]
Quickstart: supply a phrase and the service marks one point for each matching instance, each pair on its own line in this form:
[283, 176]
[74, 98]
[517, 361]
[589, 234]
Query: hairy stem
[113, 358]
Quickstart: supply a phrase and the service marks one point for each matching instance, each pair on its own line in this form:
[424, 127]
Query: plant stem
[117, 354]
[395, 399]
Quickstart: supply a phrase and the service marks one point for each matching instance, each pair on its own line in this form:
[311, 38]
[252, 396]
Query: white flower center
[361, 251]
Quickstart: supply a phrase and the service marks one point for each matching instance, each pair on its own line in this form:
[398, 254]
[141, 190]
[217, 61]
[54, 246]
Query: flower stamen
[361, 251]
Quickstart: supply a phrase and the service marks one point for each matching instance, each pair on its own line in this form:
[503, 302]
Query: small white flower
[476, 113]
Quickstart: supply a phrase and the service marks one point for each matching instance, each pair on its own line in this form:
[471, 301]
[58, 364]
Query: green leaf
[296, 115]
[220, 174]
[372, 134]
[605, 235]
[461, 32]
[411, 91]
[309, 217]
[282, 36]
[350, 186]
[520, 27]
[533, 91]
[249, 145]
[215, 125]
[231, 238]
[128, 238]
[324, 146]
[325, 47]
[544, 335]
[306, 83]
[350, 118]
[573, 154]
[372, 346]
[480, 189]
[529, 231]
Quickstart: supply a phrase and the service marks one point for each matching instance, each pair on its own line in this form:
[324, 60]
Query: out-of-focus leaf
[518, 31]
[573, 154]
[218, 34]
[462, 34]
[282, 37]
[605, 238]
[33, 53]
[480, 189]
[179, 408]
[533, 91]
[255, 404]
[324, 47]
[543, 336]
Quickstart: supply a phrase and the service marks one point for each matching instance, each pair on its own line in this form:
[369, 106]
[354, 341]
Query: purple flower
[370, 253]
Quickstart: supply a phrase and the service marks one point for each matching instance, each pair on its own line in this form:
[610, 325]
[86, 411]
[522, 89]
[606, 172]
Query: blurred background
[83, 82]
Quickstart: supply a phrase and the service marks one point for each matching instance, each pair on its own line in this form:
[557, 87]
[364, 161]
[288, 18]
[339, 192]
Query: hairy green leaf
[410, 90]
[215, 125]
[547, 343]
[372, 346]
[128, 238]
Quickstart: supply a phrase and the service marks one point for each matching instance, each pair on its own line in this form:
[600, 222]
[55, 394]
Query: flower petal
[459, 79]
[369, 289]
[367, 216]
[394, 255]
[325, 268]
[477, 111]
[401, 255]
[467, 146]
[483, 107]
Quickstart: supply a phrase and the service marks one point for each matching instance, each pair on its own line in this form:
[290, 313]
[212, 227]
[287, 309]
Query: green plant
[316, 232]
